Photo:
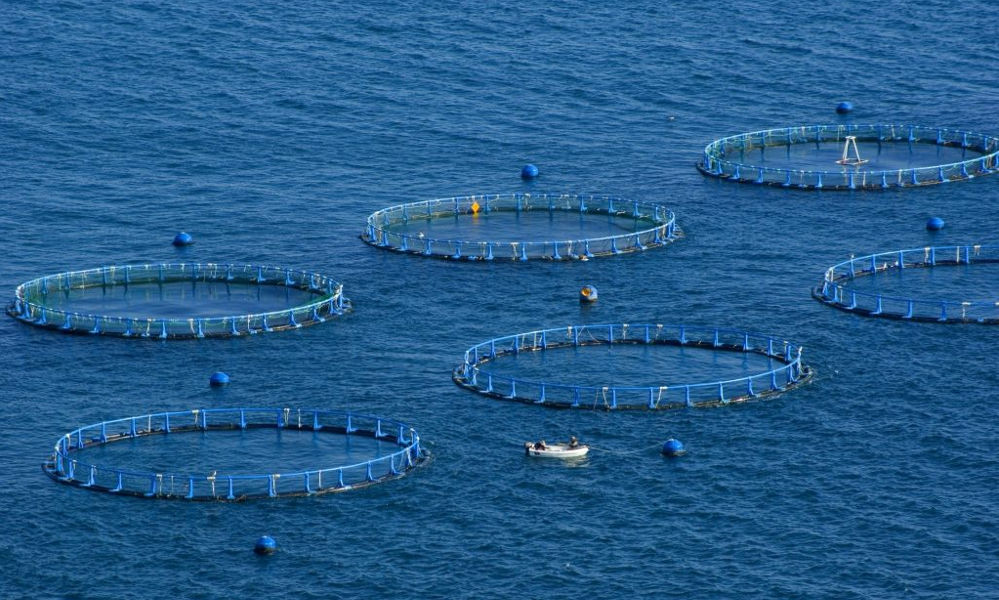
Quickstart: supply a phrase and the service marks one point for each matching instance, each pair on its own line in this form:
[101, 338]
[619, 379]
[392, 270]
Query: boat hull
[558, 451]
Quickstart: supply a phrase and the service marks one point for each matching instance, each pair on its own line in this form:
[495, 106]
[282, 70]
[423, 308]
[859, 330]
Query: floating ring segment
[740, 157]
[29, 304]
[64, 466]
[654, 225]
[837, 288]
[474, 372]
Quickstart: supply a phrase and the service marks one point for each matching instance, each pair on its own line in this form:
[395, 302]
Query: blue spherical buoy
[218, 379]
[529, 172]
[588, 294]
[934, 224]
[265, 545]
[673, 447]
[844, 107]
[183, 239]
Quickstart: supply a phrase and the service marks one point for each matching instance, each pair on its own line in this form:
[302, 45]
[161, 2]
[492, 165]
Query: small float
[571, 449]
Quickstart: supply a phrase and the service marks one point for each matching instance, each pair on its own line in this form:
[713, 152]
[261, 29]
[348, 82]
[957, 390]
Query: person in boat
[573, 442]
[540, 445]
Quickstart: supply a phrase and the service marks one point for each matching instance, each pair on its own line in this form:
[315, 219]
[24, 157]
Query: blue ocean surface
[269, 131]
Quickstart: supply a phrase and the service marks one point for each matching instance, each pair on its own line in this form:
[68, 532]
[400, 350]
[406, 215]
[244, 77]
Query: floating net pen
[69, 464]
[785, 371]
[139, 295]
[522, 227]
[851, 157]
[839, 287]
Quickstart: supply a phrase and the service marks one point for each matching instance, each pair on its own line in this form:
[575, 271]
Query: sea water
[269, 131]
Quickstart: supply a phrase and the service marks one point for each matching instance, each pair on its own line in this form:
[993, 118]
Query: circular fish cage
[69, 462]
[781, 370]
[841, 286]
[132, 301]
[522, 227]
[851, 157]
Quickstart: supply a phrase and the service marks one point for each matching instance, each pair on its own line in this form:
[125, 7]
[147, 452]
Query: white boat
[556, 450]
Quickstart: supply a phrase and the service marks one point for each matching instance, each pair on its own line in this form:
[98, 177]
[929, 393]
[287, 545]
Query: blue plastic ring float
[655, 226]
[30, 301]
[837, 286]
[730, 158]
[475, 372]
[67, 465]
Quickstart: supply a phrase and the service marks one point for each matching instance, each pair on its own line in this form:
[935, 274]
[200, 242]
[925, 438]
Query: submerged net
[840, 287]
[522, 227]
[783, 370]
[142, 301]
[70, 462]
[869, 156]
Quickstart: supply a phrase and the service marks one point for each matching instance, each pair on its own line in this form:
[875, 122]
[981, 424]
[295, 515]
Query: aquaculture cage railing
[727, 158]
[658, 227]
[29, 304]
[66, 466]
[835, 289]
[473, 372]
